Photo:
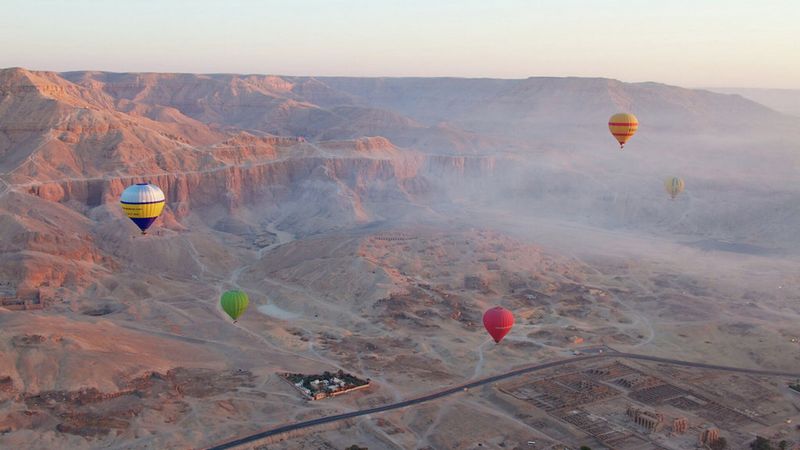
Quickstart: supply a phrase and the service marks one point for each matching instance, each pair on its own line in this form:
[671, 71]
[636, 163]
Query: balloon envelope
[622, 127]
[498, 322]
[674, 186]
[234, 303]
[142, 204]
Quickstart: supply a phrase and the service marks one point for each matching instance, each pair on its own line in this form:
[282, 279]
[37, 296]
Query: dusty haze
[372, 220]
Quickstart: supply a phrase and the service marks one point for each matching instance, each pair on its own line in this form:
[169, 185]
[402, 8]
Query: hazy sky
[690, 43]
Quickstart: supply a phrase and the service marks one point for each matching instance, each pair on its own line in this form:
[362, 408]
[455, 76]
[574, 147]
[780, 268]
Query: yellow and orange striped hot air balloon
[674, 186]
[623, 126]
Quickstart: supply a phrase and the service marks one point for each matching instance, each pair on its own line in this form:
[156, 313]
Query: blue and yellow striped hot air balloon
[143, 203]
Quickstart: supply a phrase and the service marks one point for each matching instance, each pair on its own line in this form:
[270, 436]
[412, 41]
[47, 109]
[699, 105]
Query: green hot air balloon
[234, 303]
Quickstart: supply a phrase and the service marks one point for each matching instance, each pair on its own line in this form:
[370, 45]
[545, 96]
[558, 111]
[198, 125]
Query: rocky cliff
[316, 154]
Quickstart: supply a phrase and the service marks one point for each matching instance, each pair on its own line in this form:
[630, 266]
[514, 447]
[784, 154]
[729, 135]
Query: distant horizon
[681, 43]
[393, 76]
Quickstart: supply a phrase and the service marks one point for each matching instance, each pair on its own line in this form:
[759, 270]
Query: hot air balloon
[674, 186]
[623, 126]
[498, 322]
[234, 303]
[143, 203]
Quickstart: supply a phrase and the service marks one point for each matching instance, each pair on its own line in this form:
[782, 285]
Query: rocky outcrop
[233, 186]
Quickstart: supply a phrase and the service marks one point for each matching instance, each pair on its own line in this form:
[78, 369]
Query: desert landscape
[372, 221]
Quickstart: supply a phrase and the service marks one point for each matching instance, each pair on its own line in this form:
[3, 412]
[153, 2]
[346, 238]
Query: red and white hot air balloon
[498, 322]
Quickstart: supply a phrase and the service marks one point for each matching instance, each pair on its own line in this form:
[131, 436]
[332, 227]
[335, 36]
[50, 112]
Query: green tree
[783, 445]
[585, 447]
[719, 444]
[761, 443]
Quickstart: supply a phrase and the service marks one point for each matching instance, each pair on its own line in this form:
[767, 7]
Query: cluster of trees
[295, 377]
[762, 443]
[719, 444]
[350, 380]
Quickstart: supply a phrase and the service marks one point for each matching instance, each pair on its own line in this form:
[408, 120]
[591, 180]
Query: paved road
[489, 380]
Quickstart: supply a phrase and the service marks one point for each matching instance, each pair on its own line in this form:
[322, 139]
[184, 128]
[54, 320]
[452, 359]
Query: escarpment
[233, 186]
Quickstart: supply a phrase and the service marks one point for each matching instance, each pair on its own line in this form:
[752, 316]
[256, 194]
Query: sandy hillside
[372, 221]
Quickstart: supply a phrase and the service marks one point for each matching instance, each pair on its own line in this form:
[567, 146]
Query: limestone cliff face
[79, 221]
[315, 154]
[233, 186]
[462, 165]
[71, 143]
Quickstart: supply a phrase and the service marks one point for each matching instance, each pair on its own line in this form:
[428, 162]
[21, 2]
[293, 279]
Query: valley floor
[402, 307]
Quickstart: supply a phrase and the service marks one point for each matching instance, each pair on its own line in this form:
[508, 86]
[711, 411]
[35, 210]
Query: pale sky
[722, 43]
